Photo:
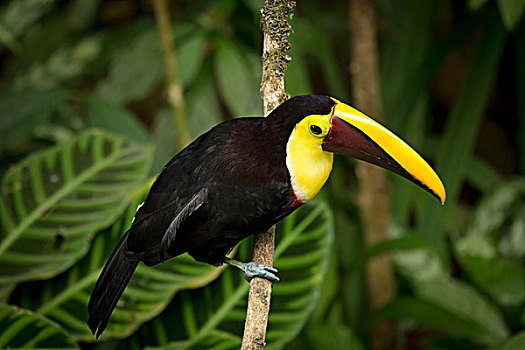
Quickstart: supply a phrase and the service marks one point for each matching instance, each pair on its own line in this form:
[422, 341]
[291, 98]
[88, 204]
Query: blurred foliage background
[86, 122]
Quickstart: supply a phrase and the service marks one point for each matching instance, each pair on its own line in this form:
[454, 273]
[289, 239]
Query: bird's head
[323, 125]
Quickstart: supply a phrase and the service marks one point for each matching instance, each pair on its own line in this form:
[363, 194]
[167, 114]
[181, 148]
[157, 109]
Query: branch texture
[274, 62]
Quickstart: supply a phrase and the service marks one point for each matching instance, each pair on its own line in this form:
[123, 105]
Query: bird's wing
[193, 205]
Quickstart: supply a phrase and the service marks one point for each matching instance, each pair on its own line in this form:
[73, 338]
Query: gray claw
[254, 270]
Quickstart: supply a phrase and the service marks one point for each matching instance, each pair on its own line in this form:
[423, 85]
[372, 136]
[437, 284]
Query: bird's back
[246, 187]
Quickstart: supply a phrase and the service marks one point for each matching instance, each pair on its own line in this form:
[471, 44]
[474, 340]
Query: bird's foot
[252, 270]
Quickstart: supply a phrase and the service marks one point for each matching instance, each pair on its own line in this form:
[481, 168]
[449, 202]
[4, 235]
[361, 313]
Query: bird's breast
[309, 167]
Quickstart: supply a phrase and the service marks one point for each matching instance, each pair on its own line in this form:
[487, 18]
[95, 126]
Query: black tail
[110, 285]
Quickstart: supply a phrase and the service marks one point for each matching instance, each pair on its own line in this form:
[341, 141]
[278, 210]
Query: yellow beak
[354, 134]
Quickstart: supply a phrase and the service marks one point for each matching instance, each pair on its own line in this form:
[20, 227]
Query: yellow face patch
[308, 164]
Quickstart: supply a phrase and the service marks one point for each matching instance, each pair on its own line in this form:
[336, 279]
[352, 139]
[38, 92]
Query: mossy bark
[274, 63]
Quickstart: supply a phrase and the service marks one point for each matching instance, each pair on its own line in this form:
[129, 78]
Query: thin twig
[274, 59]
[374, 191]
[173, 83]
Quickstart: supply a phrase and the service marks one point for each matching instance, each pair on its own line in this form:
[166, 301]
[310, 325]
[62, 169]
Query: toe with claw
[252, 270]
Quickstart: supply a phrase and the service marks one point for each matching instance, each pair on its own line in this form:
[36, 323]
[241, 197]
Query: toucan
[240, 178]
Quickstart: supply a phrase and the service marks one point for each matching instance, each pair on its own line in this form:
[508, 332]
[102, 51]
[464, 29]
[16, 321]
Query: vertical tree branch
[173, 83]
[274, 61]
[374, 191]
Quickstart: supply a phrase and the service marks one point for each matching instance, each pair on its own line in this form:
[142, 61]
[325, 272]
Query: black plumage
[228, 184]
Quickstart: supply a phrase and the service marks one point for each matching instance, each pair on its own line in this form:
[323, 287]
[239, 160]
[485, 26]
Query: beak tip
[442, 196]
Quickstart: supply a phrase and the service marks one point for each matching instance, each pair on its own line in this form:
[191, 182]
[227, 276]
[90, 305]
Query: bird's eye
[316, 130]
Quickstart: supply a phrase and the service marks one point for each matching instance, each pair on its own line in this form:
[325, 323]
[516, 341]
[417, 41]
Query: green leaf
[137, 68]
[519, 81]
[311, 39]
[102, 114]
[82, 13]
[516, 342]
[413, 22]
[301, 255]
[430, 315]
[135, 71]
[65, 65]
[405, 243]
[64, 299]
[457, 145]
[478, 252]
[21, 329]
[333, 336]
[165, 138]
[190, 56]
[17, 16]
[465, 303]
[297, 79]
[511, 12]
[54, 201]
[476, 4]
[495, 209]
[238, 80]
[503, 280]
[203, 106]
[483, 175]
[21, 113]
[205, 111]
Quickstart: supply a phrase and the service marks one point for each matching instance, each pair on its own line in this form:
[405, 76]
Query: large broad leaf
[456, 148]
[64, 299]
[333, 336]
[216, 313]
[136, 70]
[517, 342]
[511, 12]
[453, 307]
[476, 4]
[16, 16]
[463, 302]
[21, 113]
[430, 315]
[190, 56]
[20, 329]
[499, 216]
[54, 201]
[238, 76]
[66, 64]
[102, 114]
[204, 112]
[519, 79]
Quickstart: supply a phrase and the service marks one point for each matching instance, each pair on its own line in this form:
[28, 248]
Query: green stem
[174, 86]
